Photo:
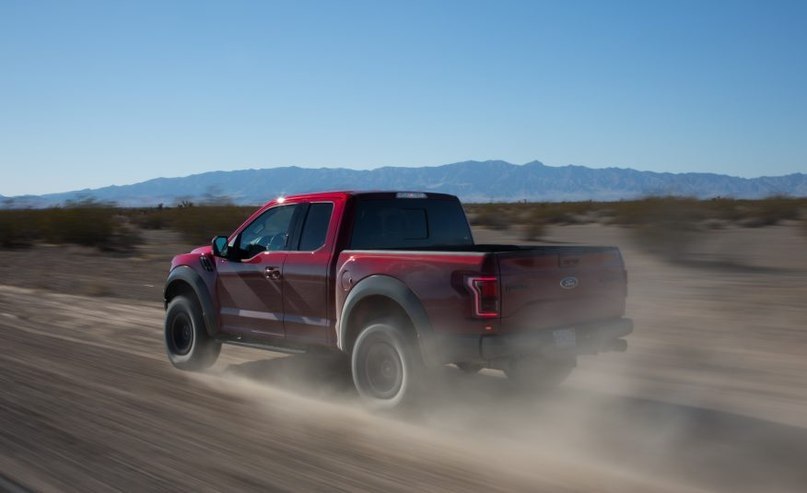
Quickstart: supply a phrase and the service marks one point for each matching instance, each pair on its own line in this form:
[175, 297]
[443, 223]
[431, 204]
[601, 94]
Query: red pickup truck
[395, 281]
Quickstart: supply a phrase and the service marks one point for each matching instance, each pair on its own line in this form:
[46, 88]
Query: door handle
[272, 273]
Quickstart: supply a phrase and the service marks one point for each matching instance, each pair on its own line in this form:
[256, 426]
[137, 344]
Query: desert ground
[710, 396]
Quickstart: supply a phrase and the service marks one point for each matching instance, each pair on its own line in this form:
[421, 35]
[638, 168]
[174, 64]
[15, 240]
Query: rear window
[405, 223]
[316, 226]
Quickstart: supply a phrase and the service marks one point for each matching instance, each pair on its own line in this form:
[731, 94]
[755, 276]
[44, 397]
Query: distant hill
[472, 181]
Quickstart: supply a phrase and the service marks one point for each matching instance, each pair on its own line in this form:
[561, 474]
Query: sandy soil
[709, 397]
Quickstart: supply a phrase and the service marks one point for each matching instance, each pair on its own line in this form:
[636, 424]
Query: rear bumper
[589, 338]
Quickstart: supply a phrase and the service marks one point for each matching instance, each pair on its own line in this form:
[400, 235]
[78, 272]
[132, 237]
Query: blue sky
[94, 93]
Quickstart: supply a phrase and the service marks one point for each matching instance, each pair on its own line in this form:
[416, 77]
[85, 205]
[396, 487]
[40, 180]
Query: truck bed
[539, 287]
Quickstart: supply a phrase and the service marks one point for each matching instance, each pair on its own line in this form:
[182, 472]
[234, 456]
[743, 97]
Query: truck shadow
[325, 375]
[713, 449]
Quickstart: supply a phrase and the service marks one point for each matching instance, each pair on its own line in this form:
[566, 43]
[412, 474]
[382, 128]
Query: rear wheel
[385, 366]
[186, 340]
[539, 373]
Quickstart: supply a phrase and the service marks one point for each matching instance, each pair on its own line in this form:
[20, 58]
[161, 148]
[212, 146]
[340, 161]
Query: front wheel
[186, 340]
[385, 366]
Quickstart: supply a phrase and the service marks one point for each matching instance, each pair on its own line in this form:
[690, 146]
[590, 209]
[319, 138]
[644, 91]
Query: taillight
[486, 296]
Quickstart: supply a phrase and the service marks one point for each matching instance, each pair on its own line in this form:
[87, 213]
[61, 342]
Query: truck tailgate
[563, 286]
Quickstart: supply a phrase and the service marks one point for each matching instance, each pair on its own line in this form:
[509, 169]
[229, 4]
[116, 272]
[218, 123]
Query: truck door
[250, 286]
[306, 278]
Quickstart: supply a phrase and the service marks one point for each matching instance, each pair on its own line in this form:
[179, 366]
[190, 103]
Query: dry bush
[563, 212]
[85, 222]
[201, 223]
[658, 210]
[534, 231]
[666, 226]
[156, 218]
[196, 223]
[491, 216]
[18, 228]
[502, 216]
[95, 224]
[723, 209]
[772, 210]
[535, 224]
[125, 236]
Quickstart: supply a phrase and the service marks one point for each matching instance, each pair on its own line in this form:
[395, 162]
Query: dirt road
[709, 397]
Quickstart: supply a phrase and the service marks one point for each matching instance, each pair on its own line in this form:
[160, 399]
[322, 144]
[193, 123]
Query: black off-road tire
[539, 373]
[386, 366]
[187, 343]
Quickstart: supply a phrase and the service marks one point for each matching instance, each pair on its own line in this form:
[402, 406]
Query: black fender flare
[186, 275]
[398, 292]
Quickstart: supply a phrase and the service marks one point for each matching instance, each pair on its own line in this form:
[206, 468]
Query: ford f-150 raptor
[395, 281]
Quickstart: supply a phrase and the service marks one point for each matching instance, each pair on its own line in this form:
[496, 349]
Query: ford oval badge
[568, 282]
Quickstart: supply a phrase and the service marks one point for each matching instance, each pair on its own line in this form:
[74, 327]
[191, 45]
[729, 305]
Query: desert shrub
[125, 236]
[534, 231]
[772, 210]
[667, 226]
[197, 224]
[82, 224]
[678, 213]
[569, 212]
[557, 213]
[18, 228]
[157, 218]
[659, 210]
[85, 222]
[201, 223]
[490, 217]
[502, 216]
[723, 209]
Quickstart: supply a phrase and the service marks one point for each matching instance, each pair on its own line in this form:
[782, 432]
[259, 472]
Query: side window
[316, 226]
[269, 232]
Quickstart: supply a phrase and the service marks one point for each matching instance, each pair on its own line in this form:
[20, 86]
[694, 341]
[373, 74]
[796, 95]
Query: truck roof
[379, 194]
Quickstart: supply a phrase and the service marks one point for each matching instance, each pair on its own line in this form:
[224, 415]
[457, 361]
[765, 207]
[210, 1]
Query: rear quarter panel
[435, 278]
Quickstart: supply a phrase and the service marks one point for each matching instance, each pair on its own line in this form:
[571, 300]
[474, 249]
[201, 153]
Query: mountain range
[472, 181]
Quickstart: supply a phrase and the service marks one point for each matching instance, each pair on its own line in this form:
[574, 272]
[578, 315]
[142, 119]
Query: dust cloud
[587, 436]
[699, 402]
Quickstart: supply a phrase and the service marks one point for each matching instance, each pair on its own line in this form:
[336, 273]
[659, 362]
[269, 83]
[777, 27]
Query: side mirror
[219, 246]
